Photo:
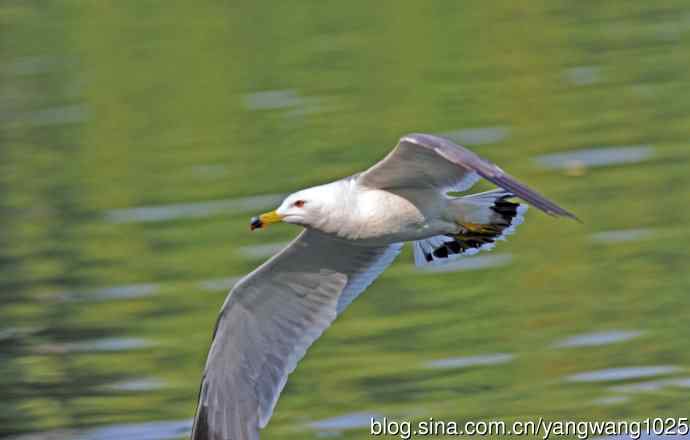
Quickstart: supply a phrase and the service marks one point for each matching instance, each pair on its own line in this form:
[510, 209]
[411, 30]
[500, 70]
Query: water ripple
[623, 373]
[95, 345]
[478, 136]
[653, 385]
[472, 361]
[583, 75]
[345, 421]
[191, 210]
[596, 157]
[598, 338]
[470, 263]
[216, 284]
[622, 235]
[140, 431]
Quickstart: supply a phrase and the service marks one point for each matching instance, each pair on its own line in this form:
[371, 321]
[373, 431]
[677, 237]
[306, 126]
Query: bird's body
[354, 229]
[371, 216]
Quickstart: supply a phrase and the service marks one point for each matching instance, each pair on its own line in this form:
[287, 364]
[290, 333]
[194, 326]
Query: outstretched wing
[424, 161]
[267, 323]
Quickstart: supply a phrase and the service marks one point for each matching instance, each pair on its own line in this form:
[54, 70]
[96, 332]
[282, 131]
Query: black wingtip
[200, 429]
[567, 214]
[577, 219]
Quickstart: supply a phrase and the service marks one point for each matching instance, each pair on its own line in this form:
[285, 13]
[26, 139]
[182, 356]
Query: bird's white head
[305, 208]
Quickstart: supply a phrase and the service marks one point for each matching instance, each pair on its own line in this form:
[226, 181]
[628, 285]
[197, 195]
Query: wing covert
[426, 161]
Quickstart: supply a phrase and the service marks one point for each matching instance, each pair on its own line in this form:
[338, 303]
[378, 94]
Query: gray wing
[267, 323]
[424, 161]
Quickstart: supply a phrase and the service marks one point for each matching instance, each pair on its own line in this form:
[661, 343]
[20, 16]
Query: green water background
[105, 318]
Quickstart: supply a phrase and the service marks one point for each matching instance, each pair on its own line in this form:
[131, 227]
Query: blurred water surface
[136, 138]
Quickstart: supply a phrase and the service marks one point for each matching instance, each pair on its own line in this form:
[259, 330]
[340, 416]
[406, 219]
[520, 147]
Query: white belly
[384, 217]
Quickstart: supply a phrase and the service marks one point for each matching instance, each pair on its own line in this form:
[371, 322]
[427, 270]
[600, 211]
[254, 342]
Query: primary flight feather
[353, 230]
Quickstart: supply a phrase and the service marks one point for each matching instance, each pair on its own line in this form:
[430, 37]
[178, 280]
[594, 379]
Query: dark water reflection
[136, 141]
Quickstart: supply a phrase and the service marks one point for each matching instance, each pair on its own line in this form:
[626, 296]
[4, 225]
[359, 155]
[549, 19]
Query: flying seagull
[353, 230]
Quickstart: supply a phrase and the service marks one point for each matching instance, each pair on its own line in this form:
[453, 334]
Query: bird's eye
[299, 203]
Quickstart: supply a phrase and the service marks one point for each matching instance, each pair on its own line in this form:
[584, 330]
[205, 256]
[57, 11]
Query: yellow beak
[265, 219]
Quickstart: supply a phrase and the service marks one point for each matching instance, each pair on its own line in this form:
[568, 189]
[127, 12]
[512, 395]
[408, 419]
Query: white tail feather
[499, 219]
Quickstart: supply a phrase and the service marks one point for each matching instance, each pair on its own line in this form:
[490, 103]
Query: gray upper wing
[425, 161]
[267, 323]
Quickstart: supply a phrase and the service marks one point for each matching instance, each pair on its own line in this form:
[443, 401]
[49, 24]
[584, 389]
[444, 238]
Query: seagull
[353, 229]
